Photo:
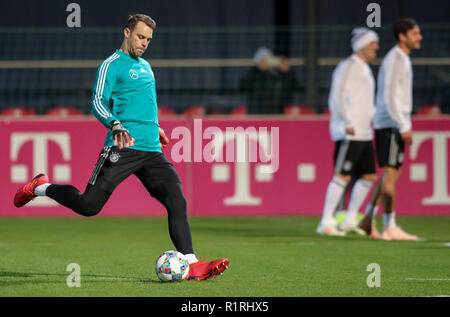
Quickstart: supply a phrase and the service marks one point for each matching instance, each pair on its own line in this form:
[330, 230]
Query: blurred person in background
[351, 104]
[393, 126]
[269, 85]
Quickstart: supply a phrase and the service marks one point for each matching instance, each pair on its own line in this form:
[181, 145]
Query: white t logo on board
[418, 171]
[20, 173]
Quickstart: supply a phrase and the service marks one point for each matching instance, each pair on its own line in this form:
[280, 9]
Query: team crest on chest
[133, 74]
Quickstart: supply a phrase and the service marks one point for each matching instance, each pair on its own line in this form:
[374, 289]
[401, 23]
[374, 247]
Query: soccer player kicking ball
[124, 101]
[392, 123]
[351, 103]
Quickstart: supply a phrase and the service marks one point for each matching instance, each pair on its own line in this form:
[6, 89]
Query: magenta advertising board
[251, 166]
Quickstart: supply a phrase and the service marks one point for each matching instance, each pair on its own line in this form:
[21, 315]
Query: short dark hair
[133, 19]
[403, 26]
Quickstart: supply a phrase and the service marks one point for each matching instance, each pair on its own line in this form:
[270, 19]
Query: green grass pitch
[269, 257]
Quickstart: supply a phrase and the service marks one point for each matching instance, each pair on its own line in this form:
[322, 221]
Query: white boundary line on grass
[112, 278]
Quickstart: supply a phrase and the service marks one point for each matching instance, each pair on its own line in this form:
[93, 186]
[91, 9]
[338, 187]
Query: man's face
[370, 51]
[263, 63]
[139, 39]
[412, 38]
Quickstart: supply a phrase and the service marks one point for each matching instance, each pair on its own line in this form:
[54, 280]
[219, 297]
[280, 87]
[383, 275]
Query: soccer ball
[172, 266]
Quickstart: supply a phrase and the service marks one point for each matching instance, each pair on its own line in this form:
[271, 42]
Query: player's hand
[163, 139]
[121, 136]
[350, 130]
[407, 137]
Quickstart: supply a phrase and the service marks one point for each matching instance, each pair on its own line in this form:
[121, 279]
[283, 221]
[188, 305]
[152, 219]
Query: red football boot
[26, 193]
[205, 270]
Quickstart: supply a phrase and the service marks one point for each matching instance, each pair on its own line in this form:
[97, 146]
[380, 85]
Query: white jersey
[394, 95]
[351, 100]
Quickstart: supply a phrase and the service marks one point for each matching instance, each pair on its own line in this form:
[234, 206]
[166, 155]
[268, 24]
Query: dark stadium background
[220, 13]
[227, 31]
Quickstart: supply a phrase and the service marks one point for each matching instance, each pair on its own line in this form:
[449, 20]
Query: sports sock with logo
[359, 194]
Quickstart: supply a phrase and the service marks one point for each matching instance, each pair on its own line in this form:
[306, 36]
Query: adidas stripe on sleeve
[101, 94]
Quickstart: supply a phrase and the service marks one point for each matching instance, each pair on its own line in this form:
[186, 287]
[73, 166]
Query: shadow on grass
[249, 231]
[37, 278]
[275, 232]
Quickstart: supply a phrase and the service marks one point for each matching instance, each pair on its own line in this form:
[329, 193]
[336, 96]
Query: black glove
[121, 136]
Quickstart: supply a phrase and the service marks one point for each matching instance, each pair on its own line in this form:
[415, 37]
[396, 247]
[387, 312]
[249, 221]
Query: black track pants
[154, 171]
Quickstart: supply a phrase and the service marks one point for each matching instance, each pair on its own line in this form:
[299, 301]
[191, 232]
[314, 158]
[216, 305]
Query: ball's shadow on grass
[37, 278]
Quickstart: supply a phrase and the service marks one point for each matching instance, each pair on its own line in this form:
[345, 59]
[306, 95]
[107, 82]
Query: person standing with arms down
[392, 123]
[351, 103]
[124, 101]
[270, 85]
